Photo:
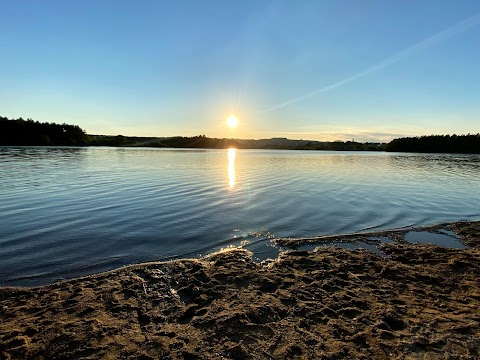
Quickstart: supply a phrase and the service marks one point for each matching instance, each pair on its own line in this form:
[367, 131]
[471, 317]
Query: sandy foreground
[420, 302]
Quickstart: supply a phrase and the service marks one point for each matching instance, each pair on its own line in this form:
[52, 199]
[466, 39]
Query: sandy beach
[417, 302]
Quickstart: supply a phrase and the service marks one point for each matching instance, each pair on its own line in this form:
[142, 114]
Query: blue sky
[326, 70]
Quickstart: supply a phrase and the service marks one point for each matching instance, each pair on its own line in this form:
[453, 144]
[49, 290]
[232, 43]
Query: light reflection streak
[231, 167]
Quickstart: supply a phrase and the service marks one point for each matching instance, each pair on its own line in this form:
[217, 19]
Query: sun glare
[232, 121]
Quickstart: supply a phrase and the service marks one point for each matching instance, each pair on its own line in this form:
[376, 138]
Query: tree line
[467, 144]
[30, 132]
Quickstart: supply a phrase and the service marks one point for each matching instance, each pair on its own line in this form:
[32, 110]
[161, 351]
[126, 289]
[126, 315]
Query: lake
[67, 212]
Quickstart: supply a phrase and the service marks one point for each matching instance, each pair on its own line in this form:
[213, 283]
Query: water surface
[68, 212]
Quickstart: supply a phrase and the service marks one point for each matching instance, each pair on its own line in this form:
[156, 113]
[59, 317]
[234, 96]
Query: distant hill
[201, 141]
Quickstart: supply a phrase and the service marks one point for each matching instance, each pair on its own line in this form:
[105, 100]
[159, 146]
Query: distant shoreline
[22, 132]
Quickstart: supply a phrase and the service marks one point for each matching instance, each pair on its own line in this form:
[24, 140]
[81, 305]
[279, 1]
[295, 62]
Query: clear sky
[370, 70]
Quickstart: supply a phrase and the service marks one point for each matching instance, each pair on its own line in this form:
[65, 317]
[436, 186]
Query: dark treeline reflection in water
[67, 212]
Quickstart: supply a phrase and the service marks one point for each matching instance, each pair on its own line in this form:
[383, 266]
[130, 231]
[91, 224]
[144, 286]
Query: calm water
[67, 212]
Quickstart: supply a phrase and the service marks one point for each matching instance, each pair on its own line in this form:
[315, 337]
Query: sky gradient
[319, 70]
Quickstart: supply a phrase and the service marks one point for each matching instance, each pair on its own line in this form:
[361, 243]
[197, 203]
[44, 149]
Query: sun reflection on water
[231, 167]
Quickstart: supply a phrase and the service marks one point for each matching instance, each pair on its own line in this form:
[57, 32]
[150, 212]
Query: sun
[232, 121]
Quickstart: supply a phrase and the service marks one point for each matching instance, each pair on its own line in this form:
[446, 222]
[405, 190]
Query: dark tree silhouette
[29, 132]
[466, 144]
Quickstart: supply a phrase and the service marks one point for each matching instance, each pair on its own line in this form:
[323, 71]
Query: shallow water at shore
[67, 212]
[418, 301]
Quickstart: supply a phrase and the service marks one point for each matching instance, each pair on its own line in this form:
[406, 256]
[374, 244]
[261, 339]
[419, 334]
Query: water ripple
[73, 211]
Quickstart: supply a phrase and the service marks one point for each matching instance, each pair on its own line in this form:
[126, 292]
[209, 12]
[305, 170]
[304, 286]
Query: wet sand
[419, 302]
